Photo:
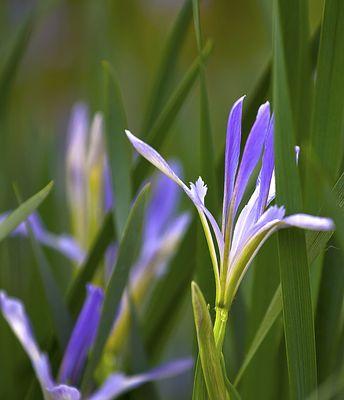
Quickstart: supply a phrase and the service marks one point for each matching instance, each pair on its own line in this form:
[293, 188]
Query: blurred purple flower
[80, 342]
[240, 237]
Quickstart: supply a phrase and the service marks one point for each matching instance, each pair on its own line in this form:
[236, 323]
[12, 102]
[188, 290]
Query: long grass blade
[128, 249]
[327, 135]
[209, 354]
[316, 242]
[159, 131]
[23, 211]
[76, 292]
[118, 147]
[290, 92]
[167, 66]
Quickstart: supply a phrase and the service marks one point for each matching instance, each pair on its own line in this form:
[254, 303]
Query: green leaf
[164, 75]
[118, 147]
[209, 354]
[327, 135]
[61, 319]
[14, 56]
[316, 242]
[206, 139]
[291, 86]
[23, 211]
[168, 295]
[127, 253]
[160, 129]
[76, 292]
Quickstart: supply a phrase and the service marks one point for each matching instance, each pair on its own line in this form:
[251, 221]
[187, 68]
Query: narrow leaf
[316, 242]
[118, 148]
[159, 131]
[209, 354]
[128, 248]
[327, 136]
[23, 211]
[76, 292]
[164, 75]
[290, 88]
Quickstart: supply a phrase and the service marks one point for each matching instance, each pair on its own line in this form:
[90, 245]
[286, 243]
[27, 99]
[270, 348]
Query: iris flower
[81, 340]
[241, 235]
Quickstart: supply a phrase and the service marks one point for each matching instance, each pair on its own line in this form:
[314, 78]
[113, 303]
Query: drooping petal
[232, 154]
[119, 383]
[82, 336]
[251, 154]
[14, 312]
[266, 170]
[63, 392]
[155, 158]
[162, 206]
[305, 221]
[194, 194]
[63, 243]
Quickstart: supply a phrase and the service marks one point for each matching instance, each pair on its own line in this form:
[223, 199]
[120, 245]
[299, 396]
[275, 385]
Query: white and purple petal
[251, 154]
[232, 154]
[14, 312]
[311, 222]
[82, 336]
[63, 392]
[117, 384]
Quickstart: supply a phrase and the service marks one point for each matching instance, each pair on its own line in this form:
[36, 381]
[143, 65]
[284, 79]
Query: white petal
[305, 221]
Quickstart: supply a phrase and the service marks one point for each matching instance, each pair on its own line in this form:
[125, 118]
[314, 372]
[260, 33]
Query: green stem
[220, 326]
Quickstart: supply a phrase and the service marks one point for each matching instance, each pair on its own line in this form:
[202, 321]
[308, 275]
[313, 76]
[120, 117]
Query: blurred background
[61, 65]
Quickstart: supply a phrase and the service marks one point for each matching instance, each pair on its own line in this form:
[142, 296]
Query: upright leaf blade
[327, 135]
[209, 354]
[159, 131]
[127, 253]
[167, 66]
[288, 95]
[118, 147]
[316, 242]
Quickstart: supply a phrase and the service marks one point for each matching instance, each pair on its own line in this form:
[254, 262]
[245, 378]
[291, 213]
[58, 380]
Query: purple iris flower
[80, 342]
[241, 234]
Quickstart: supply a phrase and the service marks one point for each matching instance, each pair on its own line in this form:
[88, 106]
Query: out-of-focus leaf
[23, 211]
[160, 129]
[206, 139]
[167, 66]
[209, 354]
[169, 294]
[327, 135]
[127, 253]
[14, 56]
[60, 316]
[316, 242]
[261, 378]
[118, 148]
[291, 87]
[76, 292]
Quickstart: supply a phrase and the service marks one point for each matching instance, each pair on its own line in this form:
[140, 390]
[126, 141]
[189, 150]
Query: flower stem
[220, 326]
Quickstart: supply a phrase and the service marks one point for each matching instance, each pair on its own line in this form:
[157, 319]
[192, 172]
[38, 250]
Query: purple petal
[266, 170]
[252, 153]
[82, 336]
[63, 392]
[117, 384]
[14, 312]
[305, 221]
[96, 147]
[233, 140]
[195, 194]
[76, 168]
[155, 158]
[162, 206]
